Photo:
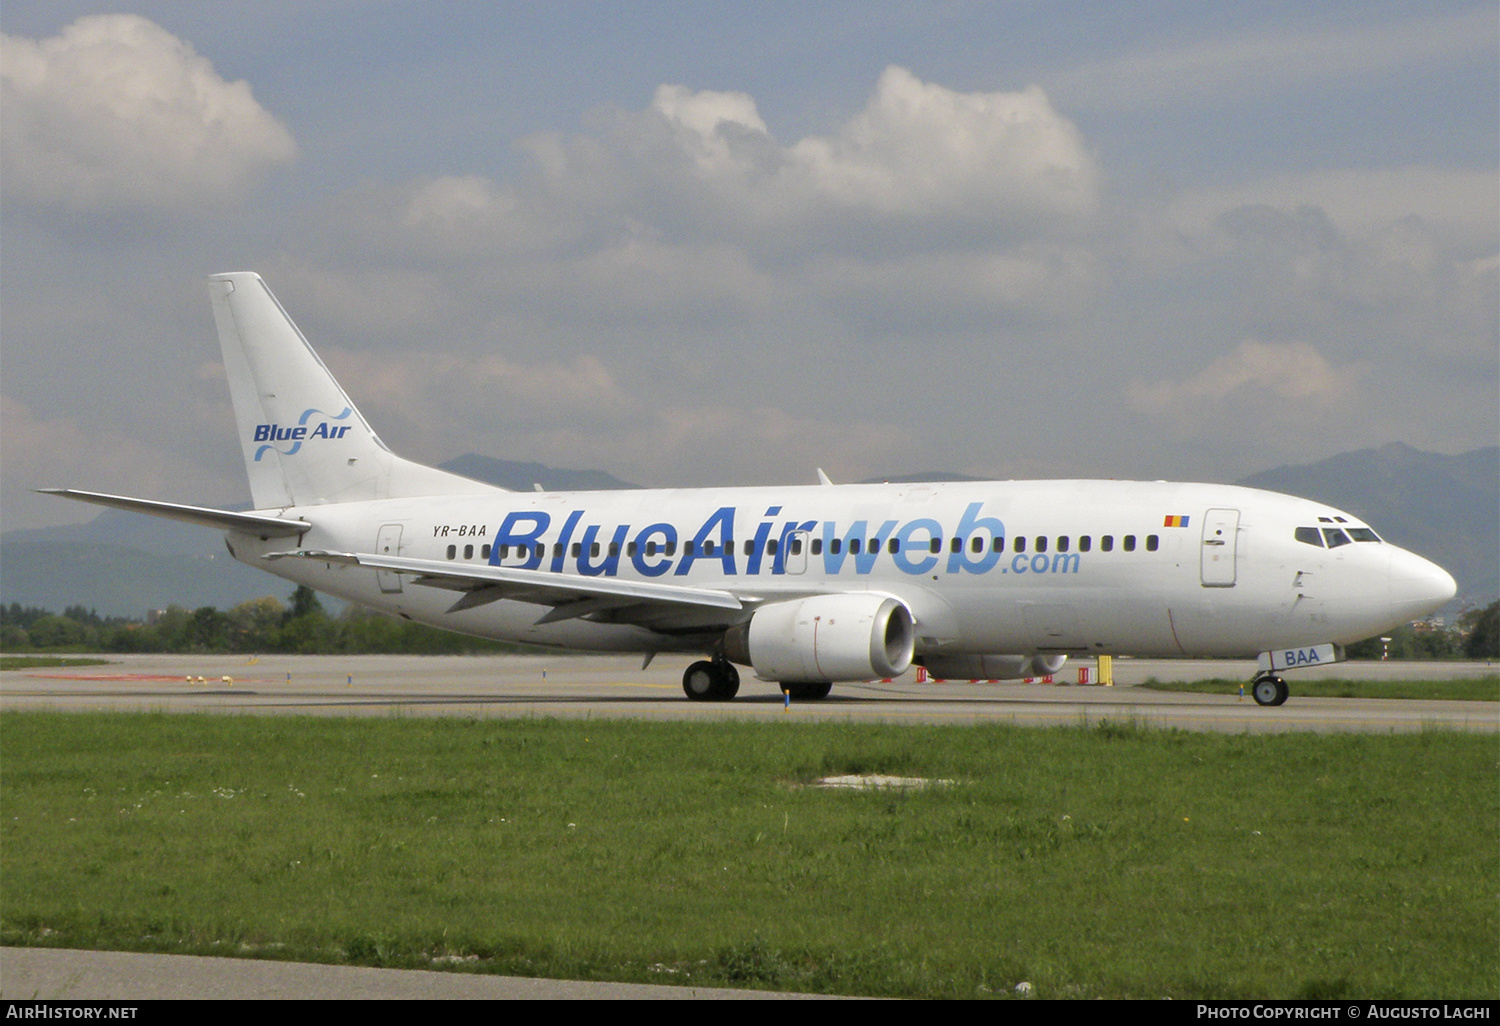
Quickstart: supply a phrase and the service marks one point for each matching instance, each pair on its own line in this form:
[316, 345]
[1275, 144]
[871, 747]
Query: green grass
[13, 662]
[1466, 689]
[1114, 861]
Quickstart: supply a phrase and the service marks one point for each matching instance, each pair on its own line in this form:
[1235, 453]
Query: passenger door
[1221, 528]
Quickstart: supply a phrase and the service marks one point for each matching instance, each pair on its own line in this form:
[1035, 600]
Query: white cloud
[921, 149]
[1260, 64]
[1286, 374]
[116, 113]
[919, 165]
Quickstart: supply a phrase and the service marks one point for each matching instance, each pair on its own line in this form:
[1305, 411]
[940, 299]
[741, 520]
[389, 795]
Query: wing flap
[569, 595]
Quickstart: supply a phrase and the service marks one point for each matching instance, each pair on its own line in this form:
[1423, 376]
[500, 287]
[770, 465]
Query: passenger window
[977, 545]
[936, 546]
[1041, 543]
[817, 546]
[1085, 543]
[670, 548]
[594, 550]
[452, 551]
[749, 547]
[505, 551]
[893, 546]
[708, 547]
[956, 545]
[651, 548]
[1309, 536]
[689, 548]
[1020, 545]
[468, 552]
[836, 545]
[795, 547]
[1130, 543]
[1062, 544]
[771, 546]
[484, 553]
[630, 550]
[557, 549]
[1107, 543]
[1151, 543]
[1363, 534]
[1334, 537]
[997, 544]
[577, 549]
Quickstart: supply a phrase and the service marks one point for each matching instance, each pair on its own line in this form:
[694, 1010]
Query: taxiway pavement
[574, 685]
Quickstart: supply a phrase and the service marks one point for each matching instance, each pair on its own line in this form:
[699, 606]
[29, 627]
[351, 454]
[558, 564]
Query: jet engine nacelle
[993, 667]
[827, 638]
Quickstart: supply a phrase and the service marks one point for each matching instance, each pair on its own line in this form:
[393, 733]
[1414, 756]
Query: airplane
[807, 586]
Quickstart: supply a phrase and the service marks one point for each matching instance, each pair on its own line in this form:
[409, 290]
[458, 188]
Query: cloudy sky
[704, 243]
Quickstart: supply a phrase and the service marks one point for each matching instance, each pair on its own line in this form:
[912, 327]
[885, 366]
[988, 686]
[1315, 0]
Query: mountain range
[1446, 508]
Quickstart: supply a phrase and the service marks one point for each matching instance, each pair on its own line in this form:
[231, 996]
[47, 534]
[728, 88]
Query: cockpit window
[1335, 537]
[1309, 536]
[1363, 534]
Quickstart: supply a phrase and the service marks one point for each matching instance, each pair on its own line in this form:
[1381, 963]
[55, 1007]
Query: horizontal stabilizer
[267, 525]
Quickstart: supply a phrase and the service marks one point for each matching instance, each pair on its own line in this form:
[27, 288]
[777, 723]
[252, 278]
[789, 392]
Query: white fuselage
[1077, 567]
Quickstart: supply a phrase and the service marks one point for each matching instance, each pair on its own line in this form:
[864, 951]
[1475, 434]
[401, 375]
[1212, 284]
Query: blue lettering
[509, 535]
[1039, 563]
[864, 558]
[723, 518]
[904, 559]
[611, 564]
[560, 550]
[1018, 565]
[791, 527]
[758, 544]
[668, 534]
[967, 525]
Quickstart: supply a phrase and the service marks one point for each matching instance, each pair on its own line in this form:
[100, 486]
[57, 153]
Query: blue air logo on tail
[301, 433]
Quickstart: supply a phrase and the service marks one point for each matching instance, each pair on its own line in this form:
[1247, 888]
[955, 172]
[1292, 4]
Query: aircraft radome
[807, 585]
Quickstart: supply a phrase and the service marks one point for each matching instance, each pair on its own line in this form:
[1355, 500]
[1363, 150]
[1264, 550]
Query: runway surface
[56, 974]
[584, 686]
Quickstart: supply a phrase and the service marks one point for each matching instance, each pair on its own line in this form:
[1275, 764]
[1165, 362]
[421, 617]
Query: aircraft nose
[1418, 586]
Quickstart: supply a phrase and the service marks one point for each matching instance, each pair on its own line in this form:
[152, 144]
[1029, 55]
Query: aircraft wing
[647, 603]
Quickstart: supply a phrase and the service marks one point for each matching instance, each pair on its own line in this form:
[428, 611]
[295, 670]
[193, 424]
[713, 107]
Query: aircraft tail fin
[304, 441]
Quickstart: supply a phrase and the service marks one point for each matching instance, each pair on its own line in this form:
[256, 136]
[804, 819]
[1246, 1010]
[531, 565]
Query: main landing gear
[1269, 690]
[711, 681]
[807, 692]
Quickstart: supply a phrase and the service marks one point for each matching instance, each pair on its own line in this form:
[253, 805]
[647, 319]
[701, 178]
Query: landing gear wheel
[1269, 690]
[807, 691]
[715, 681]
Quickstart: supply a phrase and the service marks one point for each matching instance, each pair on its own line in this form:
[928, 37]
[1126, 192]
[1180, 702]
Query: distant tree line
[269, 625]
[259, 625]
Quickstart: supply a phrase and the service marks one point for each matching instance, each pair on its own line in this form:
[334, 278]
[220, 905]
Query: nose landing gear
[1269, 689]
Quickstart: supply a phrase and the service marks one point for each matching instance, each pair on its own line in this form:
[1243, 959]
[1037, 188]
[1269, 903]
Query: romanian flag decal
[1175, 522]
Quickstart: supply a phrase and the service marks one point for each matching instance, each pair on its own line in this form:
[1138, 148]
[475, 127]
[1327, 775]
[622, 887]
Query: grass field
[32, 662]
[1104, 862]
[1464, 689]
